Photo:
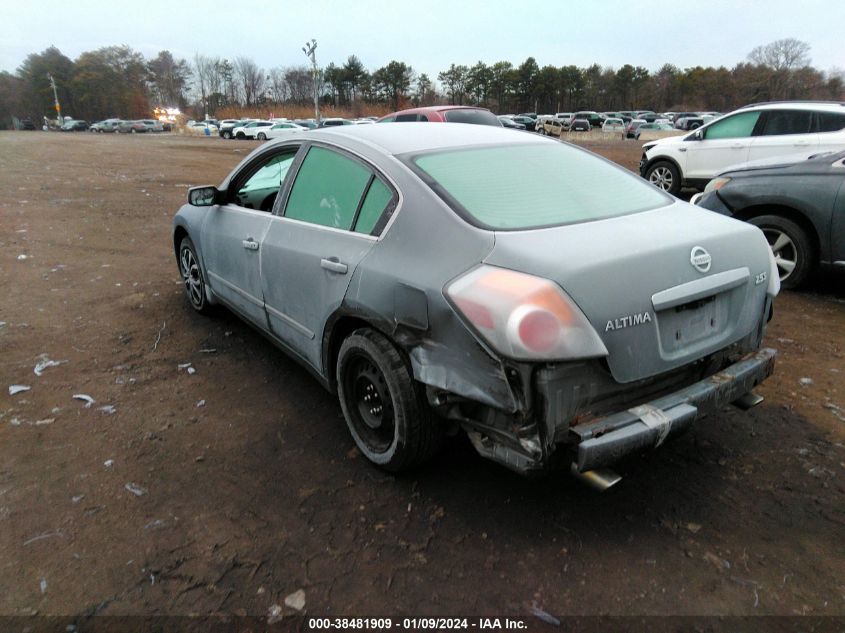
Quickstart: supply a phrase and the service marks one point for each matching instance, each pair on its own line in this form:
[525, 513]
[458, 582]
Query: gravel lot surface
[211, 474]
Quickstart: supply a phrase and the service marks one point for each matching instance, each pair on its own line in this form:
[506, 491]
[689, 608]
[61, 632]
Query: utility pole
[309, 49]
[56, 99]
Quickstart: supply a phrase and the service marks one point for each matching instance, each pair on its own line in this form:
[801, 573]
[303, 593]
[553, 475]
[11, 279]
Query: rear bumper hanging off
[602, 442]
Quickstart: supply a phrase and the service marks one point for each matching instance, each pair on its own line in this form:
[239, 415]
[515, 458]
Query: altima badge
[700, 259]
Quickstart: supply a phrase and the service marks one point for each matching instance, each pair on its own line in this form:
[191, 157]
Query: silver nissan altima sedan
[554, 306]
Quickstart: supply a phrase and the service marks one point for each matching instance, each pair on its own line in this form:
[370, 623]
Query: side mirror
[203, 196]
[695, 136]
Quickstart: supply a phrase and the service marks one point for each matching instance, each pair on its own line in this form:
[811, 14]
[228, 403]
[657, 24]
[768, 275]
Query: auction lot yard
[227, 488]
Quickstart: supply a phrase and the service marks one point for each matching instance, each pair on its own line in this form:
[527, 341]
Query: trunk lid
[634, 278]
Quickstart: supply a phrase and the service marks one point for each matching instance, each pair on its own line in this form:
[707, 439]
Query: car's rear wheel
[791, 247]
[665, 176]
[385, 409]
[192, 279]
[227, 134]
[134, 131]
[262, 136]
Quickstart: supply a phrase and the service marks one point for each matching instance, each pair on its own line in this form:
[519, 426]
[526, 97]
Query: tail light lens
[522, 316]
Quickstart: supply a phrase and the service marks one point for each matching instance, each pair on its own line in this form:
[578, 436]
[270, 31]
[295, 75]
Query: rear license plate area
[691, 323]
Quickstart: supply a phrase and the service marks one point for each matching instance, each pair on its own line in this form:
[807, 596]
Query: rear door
[784, 133]
[233, 232]
[335, 209]
[724, 143]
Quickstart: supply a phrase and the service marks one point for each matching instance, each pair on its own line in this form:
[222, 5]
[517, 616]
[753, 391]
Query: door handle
[334, 265]
[737, 146]
[250, 244]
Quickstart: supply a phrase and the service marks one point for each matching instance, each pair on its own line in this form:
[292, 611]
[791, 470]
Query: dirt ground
[226, 485]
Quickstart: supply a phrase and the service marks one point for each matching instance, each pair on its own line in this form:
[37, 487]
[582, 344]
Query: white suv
[753, 133]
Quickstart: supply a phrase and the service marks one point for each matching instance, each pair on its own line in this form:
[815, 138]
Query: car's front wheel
[791, 247]
[262, 136]
[665, 176]
[384, 407]
[192, 279]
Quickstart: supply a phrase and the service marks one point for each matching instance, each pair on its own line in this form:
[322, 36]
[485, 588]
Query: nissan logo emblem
[700, 259]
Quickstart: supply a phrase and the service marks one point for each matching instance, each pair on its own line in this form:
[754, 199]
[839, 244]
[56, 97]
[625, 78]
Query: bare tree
[203, 68]
[786, 54]
[300, 84]
[250, 80]
[783, 59]
[277, 85]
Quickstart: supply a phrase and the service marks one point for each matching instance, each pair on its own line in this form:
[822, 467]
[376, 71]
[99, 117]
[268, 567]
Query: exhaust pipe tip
[747, 401]
[599, 479]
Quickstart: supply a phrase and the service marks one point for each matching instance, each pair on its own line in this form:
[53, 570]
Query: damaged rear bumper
[604, 441]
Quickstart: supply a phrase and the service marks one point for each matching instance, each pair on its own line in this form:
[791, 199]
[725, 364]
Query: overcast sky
[430, 35]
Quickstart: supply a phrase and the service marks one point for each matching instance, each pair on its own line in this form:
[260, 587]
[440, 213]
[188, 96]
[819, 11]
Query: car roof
[830, 106]
[402, 139]
[441, 108]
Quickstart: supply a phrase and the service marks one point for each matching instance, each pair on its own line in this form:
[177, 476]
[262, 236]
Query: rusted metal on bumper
[602, 442]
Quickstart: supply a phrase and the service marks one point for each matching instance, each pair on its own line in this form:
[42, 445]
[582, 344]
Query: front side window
[486, 185]
[737, 126]
[780, 122]
[259, 190]
[327, 189]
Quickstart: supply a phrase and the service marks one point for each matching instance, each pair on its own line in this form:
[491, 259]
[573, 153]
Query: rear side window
[780, 122]
[327, 189]
[477, 117]
[737, 126]
[406, 118]
[486, 185]
[376, 201]
[831, 122]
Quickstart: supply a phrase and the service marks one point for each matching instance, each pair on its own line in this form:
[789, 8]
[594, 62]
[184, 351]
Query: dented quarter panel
[401, 281]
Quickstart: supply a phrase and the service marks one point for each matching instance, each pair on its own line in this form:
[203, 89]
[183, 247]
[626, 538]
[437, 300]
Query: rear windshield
[518, 187]
[479, 117]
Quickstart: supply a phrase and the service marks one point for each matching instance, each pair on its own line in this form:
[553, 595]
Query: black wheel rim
[369, 403]
[191, 277]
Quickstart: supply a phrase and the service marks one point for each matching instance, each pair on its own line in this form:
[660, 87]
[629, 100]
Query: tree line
[119, 81]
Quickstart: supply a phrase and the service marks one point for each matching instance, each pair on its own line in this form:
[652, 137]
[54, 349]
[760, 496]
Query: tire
[241, 135]
[262, 136]
[192, 278]
[664, 175]
[385, 409]
[791, 246]
[134, 131]
[227, 134]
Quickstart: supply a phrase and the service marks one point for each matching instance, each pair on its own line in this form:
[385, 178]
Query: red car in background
[444, 114]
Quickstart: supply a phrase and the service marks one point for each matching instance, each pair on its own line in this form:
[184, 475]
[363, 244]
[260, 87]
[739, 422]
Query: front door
[725, 143]
[233, 232]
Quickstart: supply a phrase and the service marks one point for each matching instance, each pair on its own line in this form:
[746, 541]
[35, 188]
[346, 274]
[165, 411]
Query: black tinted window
[779, 122]
[477, 117]
[831, 122]
[405, 118]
